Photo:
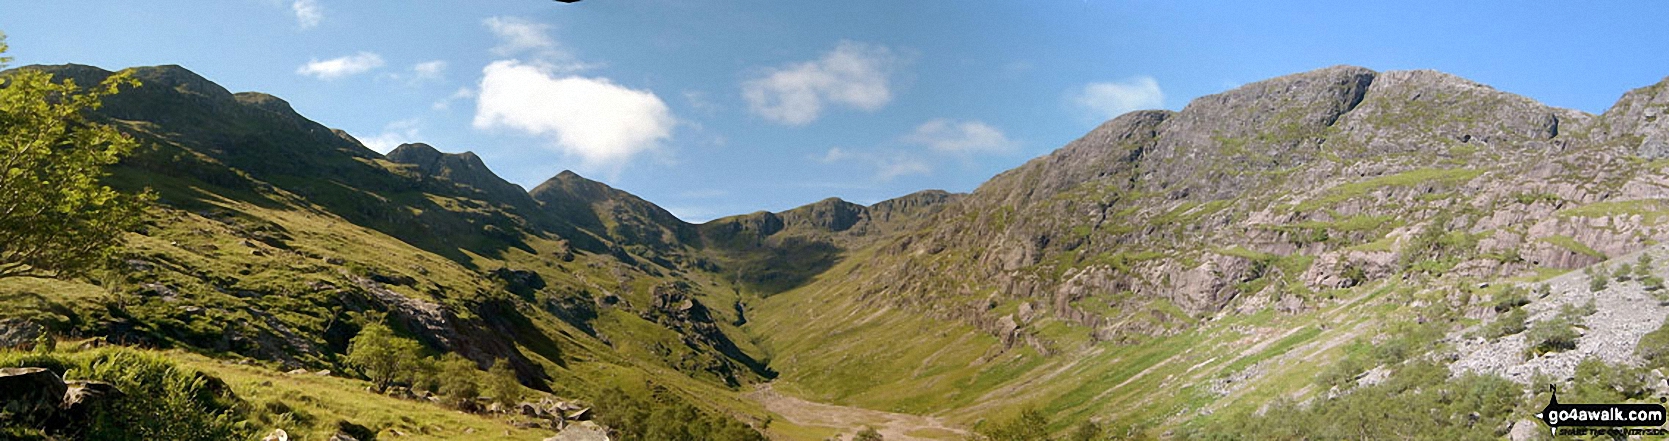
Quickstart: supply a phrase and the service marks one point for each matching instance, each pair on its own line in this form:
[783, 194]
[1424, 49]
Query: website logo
[1558, 415]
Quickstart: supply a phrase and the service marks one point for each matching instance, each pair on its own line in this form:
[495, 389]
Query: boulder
[30, 395]
[277, 435]
[582, 431]
[18, 332]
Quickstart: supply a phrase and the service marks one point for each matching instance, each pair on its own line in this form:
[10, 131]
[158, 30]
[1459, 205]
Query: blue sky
[711, 109]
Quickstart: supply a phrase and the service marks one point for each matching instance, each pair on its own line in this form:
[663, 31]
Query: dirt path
[893, 426]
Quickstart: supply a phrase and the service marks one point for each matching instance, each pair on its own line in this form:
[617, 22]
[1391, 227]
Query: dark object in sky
[568, 1]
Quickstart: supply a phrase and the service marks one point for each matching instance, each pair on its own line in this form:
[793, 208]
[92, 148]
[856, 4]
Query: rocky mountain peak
[832, 214]
[461, 168]
[1639, 121]
[181, 80]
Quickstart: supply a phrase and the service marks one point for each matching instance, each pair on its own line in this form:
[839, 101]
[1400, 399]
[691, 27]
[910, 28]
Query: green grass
[1568, 243]
[1344, 192]
[1652, 211]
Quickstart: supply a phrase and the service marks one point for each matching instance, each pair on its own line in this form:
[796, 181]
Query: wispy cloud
[853, 74]
[531, 40]
[393, 134]
[888, 164]
[962, 137]
[308, 13]
[463, 93]
[429, 70]
[1111, 99]
[593, 118]
[340, 67]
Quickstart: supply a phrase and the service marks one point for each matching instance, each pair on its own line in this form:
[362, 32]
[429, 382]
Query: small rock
[296, 372]
[277, 435]
[323, 373]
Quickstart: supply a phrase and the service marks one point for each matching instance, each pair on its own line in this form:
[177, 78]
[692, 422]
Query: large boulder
[582, 431]
[30, 396]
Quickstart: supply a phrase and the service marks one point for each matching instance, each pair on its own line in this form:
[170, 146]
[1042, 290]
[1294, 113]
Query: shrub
[1654, 347]
[501, 383]
[1597, 283]
[162, 400]
[458, 385]
[1552, 335]
[1623, 272]
[1652, 283]
[1506, 324]
[383, 357]
[867, 434]
[1029, 425]
[1510, 299]
[1087, 431]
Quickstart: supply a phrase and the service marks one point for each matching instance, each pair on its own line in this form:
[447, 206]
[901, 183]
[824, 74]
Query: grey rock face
[30, 396]
[1641, 120]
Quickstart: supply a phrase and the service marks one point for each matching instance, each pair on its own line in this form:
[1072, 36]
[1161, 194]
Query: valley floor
[815, 420]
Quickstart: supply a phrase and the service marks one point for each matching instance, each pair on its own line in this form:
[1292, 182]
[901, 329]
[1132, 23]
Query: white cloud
[308, 13]
[1108, 100]
[593, 118]
[902, 167]
[393, 134]
[835, 154]
[888, 165]
[517, 34]
[429, 70]
[463, 93]
[947, 136]
[341, 66]
[853, 74]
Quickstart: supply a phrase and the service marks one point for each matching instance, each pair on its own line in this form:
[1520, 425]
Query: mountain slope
[1248, 251]
[1295, 204]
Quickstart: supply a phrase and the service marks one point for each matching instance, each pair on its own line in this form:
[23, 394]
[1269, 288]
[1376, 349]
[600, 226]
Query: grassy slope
[884, 359]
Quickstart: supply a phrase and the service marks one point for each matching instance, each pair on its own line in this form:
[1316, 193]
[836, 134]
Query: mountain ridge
[1262, 210]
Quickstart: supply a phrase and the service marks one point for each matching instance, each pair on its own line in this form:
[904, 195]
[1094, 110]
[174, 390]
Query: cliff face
[1268, 194]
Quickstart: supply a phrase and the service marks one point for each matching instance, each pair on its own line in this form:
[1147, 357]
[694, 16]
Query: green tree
[56, 218]
[1087, 431]
[501, 383]
[1030, 425]
[458, 380]
[622, 412]
[867, 434]
[383, 357]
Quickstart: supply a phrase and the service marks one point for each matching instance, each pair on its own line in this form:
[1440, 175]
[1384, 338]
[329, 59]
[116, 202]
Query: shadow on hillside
[774, 268]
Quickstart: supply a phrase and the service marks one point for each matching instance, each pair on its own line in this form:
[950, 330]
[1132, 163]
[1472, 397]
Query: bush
[162, 400]
[1597, 283]
[1652, 283]
[1418, 401]
[1623, 272]
[1510, 299]
[1551, 335]
[1506, 324]
[665, 417]
[458, 385]
[383, 357]
[867, 434]
[1087, 431]
[1654, 347]
[501, 383]
[1029, 425]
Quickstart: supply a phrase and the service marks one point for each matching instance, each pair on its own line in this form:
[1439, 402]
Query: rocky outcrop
[465, 169]
[38, 398]
[1640, 120]
[1319, 180]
